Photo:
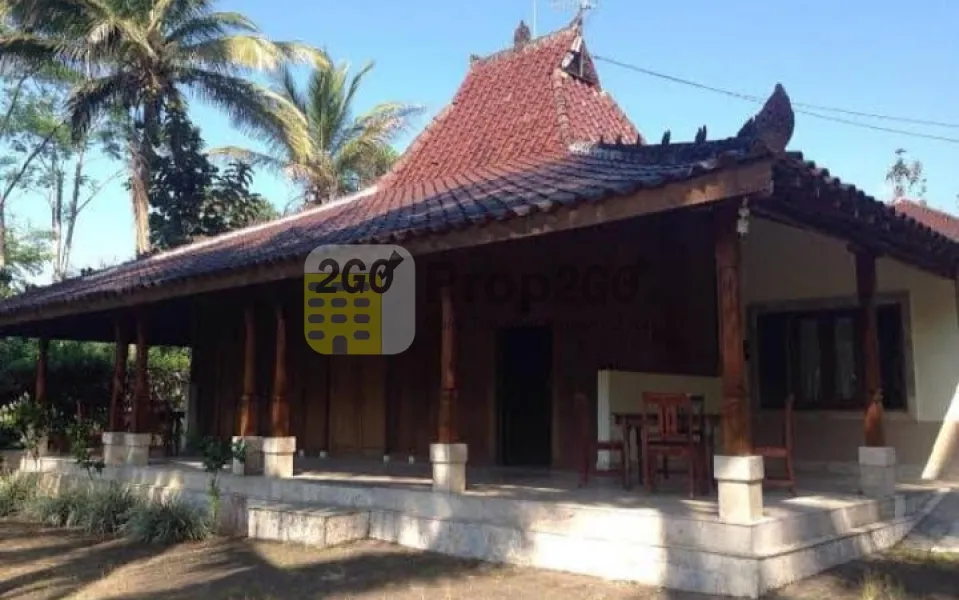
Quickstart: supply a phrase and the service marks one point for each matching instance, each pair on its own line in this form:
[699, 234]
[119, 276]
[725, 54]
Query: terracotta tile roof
[518, 103]
[941, 221]
[393, 214]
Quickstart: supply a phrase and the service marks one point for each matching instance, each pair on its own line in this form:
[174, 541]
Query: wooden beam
[248, 410]
[737, 432]
[140, 417]
[121, 348]
[280, 407]
[754, 178]
[448, 391]
[40, 389]
[869, 345]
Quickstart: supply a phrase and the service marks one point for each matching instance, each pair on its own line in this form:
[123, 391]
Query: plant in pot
[238, 450]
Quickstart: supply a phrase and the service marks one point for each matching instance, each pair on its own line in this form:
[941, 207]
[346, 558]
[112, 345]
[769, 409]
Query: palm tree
[145, 57]
[325, 149]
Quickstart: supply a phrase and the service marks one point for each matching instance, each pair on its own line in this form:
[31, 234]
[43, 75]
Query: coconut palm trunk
[140, 195]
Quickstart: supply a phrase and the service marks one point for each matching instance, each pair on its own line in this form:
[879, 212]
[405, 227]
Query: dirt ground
[37, 563]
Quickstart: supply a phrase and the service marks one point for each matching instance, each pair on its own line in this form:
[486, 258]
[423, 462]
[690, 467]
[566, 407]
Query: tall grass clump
[65, 509]
[167, 522]
[16, 492]
[107, 510]
[877, 586]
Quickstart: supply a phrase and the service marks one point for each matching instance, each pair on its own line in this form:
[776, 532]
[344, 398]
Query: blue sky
[881, 56]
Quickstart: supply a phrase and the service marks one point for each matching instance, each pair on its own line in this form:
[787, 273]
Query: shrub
[107, 510]
[16, 491]
[66, 509]
[167, 522]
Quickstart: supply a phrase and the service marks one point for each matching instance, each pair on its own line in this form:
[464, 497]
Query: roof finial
[773, 125]
[700, 135]
[522, 35]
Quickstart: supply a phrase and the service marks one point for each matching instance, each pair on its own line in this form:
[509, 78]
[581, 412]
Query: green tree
[28, 252]
[907, 178]
[144, 56]
[23, 138]
[327, 150]
[192, 199]
[60, 168]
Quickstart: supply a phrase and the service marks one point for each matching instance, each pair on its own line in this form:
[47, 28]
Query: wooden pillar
[140, 417]
[248, 406]
[871, 388]
[737, 432]
[448, 392]
[119, 376]
[40, 391]
[280, 407]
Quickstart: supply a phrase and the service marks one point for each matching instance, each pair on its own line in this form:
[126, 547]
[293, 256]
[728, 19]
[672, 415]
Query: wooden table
[632, 422]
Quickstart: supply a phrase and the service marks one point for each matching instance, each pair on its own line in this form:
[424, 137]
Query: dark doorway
[524, 376]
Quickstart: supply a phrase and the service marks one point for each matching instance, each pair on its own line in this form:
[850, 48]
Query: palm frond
[300, 53]
[210, 27]
[250, 106]
[245, 155]
[166, 15]
[94, 97]
[284, 84]
[355, 83]
[228, 54]
[29, 51]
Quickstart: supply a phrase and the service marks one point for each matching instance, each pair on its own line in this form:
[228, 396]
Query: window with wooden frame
[815, 355]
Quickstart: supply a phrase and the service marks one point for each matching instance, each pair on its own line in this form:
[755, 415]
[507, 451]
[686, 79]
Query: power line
[802, 108]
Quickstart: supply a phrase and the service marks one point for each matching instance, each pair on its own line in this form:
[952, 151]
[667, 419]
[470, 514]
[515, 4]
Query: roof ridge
[530, 45]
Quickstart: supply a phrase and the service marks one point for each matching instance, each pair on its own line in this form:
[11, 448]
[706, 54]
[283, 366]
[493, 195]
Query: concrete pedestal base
[877, 471]
[449, 467]
[114, 448]
[136, 448]
[740, 483]
[278, 456]
[254, 454]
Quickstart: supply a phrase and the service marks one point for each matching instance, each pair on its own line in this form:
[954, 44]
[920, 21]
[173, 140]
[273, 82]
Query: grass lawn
[39, 563]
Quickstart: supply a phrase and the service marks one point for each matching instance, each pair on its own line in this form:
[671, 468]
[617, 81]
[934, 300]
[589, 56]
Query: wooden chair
[678, 434]
[591, 447]
[784, 452]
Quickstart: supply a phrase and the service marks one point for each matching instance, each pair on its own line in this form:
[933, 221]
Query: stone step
[310, 525]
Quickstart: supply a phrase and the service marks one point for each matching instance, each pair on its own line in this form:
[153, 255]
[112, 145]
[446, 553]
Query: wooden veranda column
[140, 417]
[280, 407]
[40, 391]
[448, 392]
[248, 405]
[737, 433]
[119, 376]
[871, 387]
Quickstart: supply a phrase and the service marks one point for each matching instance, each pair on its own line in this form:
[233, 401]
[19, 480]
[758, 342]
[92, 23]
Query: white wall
[782, 263]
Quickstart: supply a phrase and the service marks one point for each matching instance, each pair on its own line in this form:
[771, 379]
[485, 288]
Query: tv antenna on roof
[581, 7]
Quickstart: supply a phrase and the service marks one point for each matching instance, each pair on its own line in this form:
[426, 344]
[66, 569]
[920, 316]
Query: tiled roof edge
[292, 218]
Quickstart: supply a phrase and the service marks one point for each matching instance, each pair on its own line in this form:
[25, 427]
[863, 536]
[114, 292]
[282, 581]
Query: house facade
[558, 251]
